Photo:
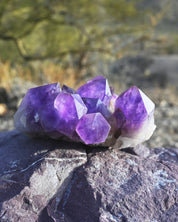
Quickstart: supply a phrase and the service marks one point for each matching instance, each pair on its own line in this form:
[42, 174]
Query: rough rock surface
[46, 180]
[122, 186]
[32, 171]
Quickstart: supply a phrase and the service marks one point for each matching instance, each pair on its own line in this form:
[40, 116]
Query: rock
[47, 180]
[118, 186]
[32, 172]
[130, 70]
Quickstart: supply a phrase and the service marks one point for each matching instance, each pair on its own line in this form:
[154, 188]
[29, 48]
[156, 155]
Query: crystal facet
[67, 89]
[96, 88]
[139, 120]
[27, 118]
[93, 114]
[66, 111]
[93, 128]
[96, 105]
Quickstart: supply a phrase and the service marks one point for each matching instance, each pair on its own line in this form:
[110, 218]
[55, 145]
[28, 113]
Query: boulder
[47, 180]
[119, 186]
[32, 171]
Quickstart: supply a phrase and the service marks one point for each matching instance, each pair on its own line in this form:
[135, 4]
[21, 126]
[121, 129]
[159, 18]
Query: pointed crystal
[92, 115]
[67, 89]
[27, 117]
[93, 128]
[96, 105]
[96, 88]
[70, 108]
[138, 110]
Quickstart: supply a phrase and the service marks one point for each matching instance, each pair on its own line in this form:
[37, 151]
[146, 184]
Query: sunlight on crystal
[93, 114]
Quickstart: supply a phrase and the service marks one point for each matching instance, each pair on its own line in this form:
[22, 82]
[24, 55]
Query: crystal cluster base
[93, 114]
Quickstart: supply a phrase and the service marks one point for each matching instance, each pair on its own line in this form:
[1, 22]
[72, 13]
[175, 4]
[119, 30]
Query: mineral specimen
[96, 88]
[138, 111]
[93, 128]
[93, 114]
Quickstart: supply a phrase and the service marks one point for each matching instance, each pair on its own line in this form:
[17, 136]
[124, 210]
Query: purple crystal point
[96, 105]
[40, 95]
[138, 111]
[96, 88]
[27, 118]
[47, 110]
[70, 108]
[93, 114]
[93, 128]
[67, 89]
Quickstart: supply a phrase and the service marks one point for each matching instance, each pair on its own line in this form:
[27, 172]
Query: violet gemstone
[67, 89]
[138, 111]
[27, 118]
[93, 128]
[96, 88]
[46, 110]
[93, 114]
[96, 105]
[70, 108]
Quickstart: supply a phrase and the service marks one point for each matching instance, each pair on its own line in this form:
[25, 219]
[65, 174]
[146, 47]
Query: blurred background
[131, 42]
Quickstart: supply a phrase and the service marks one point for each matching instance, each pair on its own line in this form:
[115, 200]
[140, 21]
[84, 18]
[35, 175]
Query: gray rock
[45, 180]
[32, 171]
[117, 186]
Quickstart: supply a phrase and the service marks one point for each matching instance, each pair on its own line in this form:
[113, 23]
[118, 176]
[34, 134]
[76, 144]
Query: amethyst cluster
[93, 114]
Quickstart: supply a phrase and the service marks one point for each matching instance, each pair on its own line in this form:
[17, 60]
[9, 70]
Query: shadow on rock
[19, 157]
[32, 171]
[78, 195]
[118, 186]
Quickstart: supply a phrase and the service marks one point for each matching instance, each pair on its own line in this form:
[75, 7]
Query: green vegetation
[47, 29]
[73, 34]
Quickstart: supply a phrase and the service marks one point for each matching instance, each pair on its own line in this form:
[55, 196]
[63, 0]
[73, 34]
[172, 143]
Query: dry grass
[54, 73]
[8, 73]
[46, 72]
